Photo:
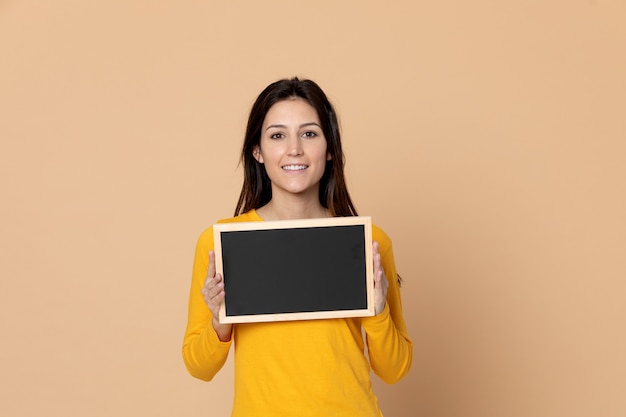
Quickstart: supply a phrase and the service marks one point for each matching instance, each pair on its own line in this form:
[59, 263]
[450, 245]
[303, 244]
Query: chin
[301, 190]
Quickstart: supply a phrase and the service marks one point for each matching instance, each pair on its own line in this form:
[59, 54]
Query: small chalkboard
[295, 269]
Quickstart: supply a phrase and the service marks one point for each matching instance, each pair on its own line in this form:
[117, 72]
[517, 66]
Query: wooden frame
[295, 269]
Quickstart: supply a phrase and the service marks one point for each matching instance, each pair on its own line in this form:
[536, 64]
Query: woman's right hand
[213, 293]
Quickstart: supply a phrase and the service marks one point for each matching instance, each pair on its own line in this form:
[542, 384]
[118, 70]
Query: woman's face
[293, 148]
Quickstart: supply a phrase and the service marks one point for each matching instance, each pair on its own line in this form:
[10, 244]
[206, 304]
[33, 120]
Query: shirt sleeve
[389, 346]
[204, 353]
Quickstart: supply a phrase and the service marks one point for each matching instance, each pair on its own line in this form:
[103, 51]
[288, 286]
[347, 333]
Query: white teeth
[294, 167]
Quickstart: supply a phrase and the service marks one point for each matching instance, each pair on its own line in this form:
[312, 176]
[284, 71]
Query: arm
[204, 353]
[389, 346]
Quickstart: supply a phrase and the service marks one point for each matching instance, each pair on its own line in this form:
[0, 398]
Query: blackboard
[295, 269]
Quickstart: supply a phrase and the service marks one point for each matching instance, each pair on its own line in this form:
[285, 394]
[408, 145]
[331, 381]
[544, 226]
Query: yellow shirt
[315, 368]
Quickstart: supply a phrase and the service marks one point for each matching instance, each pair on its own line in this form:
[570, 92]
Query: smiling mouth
[295, 167]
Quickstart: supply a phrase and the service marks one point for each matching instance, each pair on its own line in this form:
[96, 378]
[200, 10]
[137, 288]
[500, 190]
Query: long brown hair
[256, 190]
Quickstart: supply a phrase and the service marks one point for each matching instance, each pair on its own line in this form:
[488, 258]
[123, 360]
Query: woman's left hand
[380, 281]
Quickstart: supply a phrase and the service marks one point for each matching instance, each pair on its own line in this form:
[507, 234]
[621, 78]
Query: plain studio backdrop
[486, 137]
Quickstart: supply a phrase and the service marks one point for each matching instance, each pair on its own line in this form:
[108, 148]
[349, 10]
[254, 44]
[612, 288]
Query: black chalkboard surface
[295, 269]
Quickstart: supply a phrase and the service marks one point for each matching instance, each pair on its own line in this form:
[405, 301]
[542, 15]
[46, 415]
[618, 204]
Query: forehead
[291, 111]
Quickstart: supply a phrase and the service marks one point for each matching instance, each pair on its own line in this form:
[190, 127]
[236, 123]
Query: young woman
[293, 169]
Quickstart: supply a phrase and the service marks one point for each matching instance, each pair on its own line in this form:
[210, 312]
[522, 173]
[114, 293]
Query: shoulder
[206, 237]
[379, 235]
[250, 216]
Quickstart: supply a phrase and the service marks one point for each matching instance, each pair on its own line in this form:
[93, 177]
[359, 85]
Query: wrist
[223, 331]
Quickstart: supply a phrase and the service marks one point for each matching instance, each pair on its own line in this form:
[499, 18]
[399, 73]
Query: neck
[293, 208]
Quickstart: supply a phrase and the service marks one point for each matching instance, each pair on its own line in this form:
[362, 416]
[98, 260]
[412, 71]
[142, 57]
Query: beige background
[486, 137]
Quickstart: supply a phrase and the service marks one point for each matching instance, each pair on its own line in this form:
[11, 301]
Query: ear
[256, 152]
[328, 156]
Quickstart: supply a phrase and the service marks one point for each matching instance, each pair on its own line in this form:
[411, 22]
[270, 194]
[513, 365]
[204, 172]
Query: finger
[210, 274]
[376, 256]
[211, 270]
[218, 299]
[212, 287]
[378, 270]
[216, 286]
[214, 296]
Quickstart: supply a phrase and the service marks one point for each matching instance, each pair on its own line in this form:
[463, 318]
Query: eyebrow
[301, 126]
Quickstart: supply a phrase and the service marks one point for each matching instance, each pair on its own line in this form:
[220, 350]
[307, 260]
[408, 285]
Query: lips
[294, 167]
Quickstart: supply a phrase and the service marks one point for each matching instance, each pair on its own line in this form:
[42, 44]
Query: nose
[295, 146]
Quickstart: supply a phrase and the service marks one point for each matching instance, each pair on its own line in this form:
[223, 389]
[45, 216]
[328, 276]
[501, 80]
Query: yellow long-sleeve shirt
[301, 368]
